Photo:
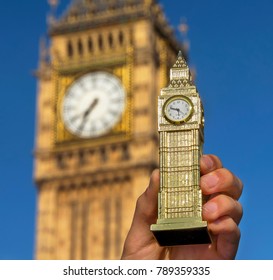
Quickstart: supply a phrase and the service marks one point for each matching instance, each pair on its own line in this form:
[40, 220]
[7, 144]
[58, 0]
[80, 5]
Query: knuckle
[231, 208]
[229, 183]
[231, 226]
[228, 223]
[226, 175]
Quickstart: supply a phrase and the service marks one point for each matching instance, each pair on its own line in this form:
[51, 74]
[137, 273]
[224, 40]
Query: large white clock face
[178, 109]
[93, 104]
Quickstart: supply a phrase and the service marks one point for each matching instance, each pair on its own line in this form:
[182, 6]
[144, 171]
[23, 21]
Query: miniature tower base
[181, 234]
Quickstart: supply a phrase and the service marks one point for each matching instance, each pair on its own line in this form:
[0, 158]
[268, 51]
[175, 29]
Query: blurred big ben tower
[96, 135]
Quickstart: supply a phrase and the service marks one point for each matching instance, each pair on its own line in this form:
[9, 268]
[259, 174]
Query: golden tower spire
[180, 75]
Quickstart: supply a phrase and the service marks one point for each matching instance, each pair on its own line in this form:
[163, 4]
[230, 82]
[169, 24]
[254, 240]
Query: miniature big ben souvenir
[181, 135]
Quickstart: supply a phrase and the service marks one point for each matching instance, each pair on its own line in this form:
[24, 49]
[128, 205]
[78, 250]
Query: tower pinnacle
[180, 73]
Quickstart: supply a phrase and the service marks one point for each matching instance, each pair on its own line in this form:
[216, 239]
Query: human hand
[222, 211]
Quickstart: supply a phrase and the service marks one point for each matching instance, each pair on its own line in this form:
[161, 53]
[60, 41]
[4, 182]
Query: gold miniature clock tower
[181, 136]
[96, 140]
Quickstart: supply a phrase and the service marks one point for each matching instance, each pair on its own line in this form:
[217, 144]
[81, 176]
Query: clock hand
[87, 112]
[176, 109]
[179, 111]
[90, 108]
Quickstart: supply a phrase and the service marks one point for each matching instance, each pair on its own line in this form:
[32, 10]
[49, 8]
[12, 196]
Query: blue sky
[231, 48]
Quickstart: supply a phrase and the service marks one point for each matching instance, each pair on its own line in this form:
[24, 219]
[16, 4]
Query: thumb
[139, 234]
[146, 207]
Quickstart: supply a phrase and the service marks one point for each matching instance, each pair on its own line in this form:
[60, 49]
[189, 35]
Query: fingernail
[208, 162]
[209, 181]
[210, 207]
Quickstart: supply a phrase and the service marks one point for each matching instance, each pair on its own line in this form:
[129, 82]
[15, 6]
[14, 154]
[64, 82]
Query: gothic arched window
[90, 45]
[121, 38]
[69, 49]
[110, 40]
[100, 42]
[80, 47]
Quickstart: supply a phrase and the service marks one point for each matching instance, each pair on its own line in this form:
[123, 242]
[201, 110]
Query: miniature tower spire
[180, 73]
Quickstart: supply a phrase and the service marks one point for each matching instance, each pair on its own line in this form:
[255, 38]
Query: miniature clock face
[93, 105]
[178, 109]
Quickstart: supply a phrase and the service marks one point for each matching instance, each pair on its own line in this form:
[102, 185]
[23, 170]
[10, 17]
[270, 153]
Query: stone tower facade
[88, 183]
